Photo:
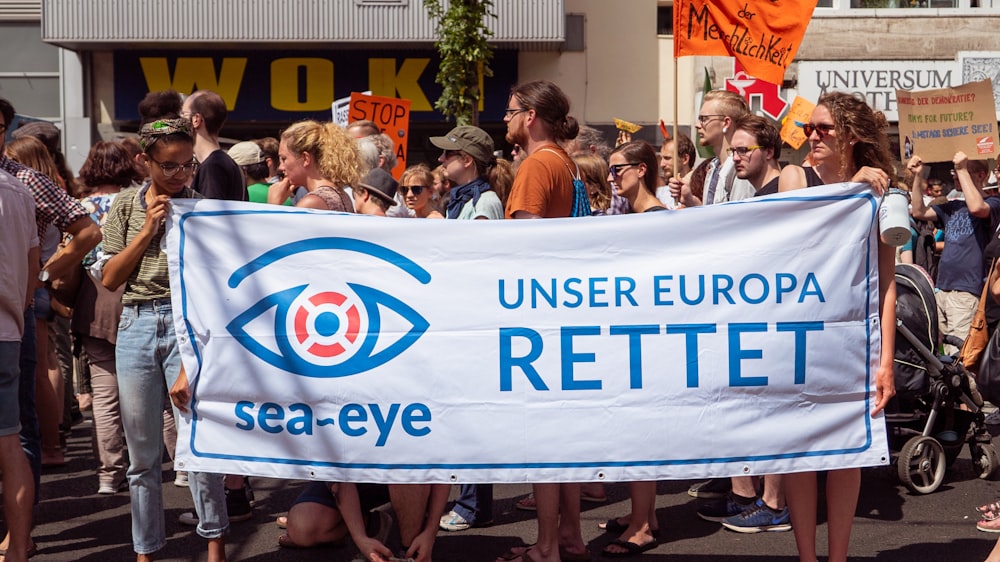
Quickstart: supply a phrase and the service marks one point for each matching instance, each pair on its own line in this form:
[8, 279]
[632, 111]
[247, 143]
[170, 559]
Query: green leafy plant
[463, 43]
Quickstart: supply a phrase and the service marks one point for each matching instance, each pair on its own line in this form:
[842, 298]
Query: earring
[852, 143]
[724, 130]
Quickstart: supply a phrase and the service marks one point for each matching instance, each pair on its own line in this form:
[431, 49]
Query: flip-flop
[515, 552]
[989, 526]
[990, 511]
[613, 525]
[527, 503]
[567, 556]
[631, 549]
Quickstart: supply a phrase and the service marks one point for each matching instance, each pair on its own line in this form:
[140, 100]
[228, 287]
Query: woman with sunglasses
[321, 157]
[847, 142]
[633, 172]
[147, 355]
[416, 186]
[471, 167]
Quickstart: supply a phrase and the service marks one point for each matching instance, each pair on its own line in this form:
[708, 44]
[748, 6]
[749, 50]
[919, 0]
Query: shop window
[664, 20]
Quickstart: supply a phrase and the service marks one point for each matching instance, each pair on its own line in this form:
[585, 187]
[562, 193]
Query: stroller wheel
[986, 460]
[921, 464]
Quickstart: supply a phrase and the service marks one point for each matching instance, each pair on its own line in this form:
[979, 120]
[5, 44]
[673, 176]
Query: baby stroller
[936, 409]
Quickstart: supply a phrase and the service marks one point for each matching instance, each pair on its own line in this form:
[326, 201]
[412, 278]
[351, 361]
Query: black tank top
[812, 178]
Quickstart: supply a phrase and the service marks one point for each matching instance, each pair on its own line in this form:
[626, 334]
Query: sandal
[992, 526]
[630, 548]
[613, 525]
[990, 511]
[527, 503]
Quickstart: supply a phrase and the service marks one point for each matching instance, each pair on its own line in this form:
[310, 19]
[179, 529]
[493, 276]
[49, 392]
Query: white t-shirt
[18, 235]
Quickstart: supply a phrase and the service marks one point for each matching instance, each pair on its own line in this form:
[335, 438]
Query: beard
[516, 135]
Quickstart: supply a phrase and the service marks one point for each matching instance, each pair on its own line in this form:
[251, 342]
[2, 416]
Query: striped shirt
[151, 279]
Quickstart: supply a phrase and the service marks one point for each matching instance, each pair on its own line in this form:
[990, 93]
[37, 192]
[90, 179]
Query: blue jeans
[148, 364]
[475, 503]
[31, 435]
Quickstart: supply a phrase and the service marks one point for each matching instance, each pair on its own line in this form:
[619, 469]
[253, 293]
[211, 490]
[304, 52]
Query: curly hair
[108, 163]
[595, 171]
[334, 151]
[854, 119]
[419, 173]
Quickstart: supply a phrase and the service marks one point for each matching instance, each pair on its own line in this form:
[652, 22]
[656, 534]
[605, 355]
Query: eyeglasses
[449, 153]
[743, 151]
[705, 118]
[171, 168]
[415, 189]
[512, 111]
[821, 129]
[616, 170]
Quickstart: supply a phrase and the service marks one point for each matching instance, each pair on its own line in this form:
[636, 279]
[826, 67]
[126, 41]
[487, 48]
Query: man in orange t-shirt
[538, 120]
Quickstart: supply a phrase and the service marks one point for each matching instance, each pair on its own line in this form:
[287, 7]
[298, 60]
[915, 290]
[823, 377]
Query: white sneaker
[454, 522]
[181, 480]
[106, 490]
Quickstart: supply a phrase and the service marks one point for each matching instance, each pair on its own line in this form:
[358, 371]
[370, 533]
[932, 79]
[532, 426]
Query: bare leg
[800, 491]
[570, 535]
[409, 501]
[310, 524]
[45, 397]
[995, 553]
[217, 550]
[774, 491]
[842, 489]
[744, 486]
[18, 497]
[643, 515]
[547, 499]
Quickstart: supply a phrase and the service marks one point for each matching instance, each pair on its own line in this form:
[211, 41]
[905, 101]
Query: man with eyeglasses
[755, 149]
[714, 124]
[218, 176]
[538, 120]
[52, 206]
[968, 226]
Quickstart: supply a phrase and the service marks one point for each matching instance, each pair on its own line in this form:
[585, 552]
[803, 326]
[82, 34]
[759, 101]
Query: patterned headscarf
[155, 130]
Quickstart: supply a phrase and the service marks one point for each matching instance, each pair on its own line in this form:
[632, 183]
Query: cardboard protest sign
[762, 34]
[791, 126]
[935, 124]
[392, 115]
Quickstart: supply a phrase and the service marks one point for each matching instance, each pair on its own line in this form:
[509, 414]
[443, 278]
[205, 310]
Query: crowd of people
[80, 338]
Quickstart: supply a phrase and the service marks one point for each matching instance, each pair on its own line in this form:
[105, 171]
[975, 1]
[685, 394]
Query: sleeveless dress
[812, 178]
[334, 198]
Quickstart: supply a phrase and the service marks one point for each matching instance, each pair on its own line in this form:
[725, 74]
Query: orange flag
[763, 35]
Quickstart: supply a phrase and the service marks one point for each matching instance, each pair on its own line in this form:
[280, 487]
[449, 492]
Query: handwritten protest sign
[392, 115]
[934, 124]
[791, 128]
[762, 34]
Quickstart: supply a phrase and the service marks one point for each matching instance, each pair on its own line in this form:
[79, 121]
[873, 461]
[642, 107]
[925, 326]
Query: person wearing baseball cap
[253, 162]
[469, 163]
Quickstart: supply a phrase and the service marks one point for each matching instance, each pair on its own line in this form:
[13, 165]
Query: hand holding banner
[763, 35]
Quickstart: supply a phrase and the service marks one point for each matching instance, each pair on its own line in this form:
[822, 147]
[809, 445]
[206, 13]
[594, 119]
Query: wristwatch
[43, 276]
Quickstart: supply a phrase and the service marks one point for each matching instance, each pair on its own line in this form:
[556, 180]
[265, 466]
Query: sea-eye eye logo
[322, 330]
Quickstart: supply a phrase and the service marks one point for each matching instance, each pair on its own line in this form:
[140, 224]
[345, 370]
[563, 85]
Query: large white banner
[726, 340]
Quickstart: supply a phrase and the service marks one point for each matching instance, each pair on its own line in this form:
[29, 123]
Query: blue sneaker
[728, 506]
[757, 518]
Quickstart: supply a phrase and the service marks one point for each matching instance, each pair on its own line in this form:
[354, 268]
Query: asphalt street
[75, 524]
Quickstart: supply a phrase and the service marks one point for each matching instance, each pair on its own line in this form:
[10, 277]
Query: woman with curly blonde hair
[321, 157]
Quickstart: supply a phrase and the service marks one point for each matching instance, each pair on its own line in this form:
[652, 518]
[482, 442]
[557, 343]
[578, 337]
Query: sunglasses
[821, 129]
[415, 189]
[616, 170]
